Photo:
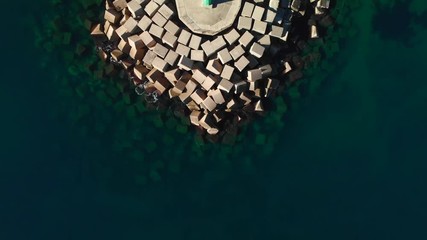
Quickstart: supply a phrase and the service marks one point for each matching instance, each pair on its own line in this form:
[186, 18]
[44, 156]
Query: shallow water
[350, 162]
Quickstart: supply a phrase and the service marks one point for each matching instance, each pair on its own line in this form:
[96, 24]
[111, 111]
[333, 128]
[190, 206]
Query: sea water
[350, 162]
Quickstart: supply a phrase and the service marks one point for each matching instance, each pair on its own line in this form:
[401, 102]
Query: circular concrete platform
[208, 20]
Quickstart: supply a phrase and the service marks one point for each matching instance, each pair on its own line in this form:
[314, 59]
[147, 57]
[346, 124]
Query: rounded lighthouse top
[208, 20]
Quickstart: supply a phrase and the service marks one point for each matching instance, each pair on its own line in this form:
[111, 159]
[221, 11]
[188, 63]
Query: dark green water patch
[395, 21]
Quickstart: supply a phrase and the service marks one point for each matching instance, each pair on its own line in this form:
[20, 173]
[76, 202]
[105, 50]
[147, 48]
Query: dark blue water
[351, 162]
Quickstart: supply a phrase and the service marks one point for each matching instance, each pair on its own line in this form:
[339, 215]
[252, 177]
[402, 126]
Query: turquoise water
[350, 162]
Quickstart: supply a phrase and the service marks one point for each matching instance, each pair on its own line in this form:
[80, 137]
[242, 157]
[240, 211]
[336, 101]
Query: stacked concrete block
[198, 96]
[217, 96]
[208, 48]
[144, 23]
[170, 39]
[225, 85]
[257, 50]
[241, 63]
[172, 28]
[244, 23]
[276, 31]
[258, 13]
[227, 72]
[112, 16]
[135, 41]
[254, 75]
[117, 55]
[259, 27]
[160, 50]
[166, 11]
[148, 58]
[156, 31]
[135, 8]
[269, 15]
[184, 37]
[173, 75]
[246, 39]
[197, 55]
[247, 10]
[265, 41]
[159, 19]
[137, 53]
[214, 66]
[232, 36]
[209, 104]
[183, 50]
[195, 42]
[218, 43]
[131, 25]
[161, 84]
[119, 5]
[224, 56]
[140, 71]
[124, 46]
[185, 63]
[209, 82]
[160, 64]
[237, 52]
[153, 75]
[199, 76]
[151, 8]
[240, 86]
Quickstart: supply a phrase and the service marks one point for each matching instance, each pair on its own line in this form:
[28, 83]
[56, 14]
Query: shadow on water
[395, 21]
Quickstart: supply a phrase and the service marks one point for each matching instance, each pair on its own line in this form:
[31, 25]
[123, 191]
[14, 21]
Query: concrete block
[171, 57]
[144, 23]
[254, 75]
[244, 23]
[258, 13]
[160, 64]
[131, 25]
[257, 50]
[246, 39]
[259, 27]
[172, 28]
[147, 39]
[160, 50]
[135, 8]
[183, 50]
[247, 10]
[166, 11]
[241, 63]
[185, 63]
[224, 56]
[214, 66]
[237, 51]
[159, 19]
[208, 48]
[184, 37]
[197, 55]
[151, 8]
[156, 31]
[195, 42]
[170, 39]
[227, 72]
[232, 36]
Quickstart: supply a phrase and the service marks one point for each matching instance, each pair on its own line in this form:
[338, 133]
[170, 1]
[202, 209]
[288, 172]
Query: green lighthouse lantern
[207, 3]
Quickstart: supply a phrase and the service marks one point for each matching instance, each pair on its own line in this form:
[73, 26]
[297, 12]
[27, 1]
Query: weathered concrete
[208, 20]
